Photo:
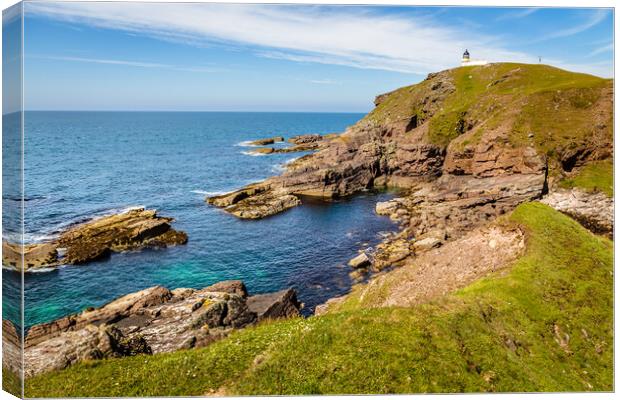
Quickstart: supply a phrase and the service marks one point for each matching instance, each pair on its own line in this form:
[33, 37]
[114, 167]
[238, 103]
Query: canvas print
[218, 199]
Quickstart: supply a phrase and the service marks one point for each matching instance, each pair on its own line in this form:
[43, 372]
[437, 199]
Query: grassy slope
[11, 382]
[503, 333]
[556, 105]
[596, 176]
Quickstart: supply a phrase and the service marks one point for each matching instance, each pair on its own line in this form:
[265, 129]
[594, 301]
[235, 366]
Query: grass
[594, 177]
[544, 326]
[557, 106]
[11, 382]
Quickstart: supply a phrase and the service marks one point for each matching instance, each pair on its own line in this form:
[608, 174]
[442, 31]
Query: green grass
[11, 382]
[554, 104]
[595, 177]
[499, 334]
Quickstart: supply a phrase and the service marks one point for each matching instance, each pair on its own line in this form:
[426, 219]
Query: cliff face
[484, 122]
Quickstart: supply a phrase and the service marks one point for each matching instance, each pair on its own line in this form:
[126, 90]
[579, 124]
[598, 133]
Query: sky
[248, 57]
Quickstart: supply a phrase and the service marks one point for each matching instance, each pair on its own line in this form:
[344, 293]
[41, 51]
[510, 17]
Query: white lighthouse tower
[467, 61]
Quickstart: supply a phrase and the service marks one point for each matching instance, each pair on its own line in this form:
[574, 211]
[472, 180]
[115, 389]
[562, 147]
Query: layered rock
[448, 208]
[438, 128]
[97, 239]
[309, 142]
[11, 347]
[151, 321]
[593, 210]
[266, 141]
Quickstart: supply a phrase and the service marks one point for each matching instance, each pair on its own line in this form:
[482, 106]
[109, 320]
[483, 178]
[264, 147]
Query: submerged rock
[151, 321]
[96, 239]
[360, 261]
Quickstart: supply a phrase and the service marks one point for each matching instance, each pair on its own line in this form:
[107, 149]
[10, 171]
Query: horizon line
[197, 111]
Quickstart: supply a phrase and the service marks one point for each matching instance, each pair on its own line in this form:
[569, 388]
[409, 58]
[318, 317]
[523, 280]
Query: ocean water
[83, 164]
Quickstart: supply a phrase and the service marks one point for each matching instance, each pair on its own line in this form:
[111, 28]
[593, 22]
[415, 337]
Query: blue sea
[84, 164]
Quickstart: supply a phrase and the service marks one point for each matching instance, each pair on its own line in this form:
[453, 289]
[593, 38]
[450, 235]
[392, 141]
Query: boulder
[232, 287]
[360, 261]
[153, 320]
[426, 244]
[386, 207]
[88, 343]
[275, 305]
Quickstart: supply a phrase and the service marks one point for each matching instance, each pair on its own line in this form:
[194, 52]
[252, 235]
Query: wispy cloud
[522, 13]
[138, 64]
[347, 36]
[595, 18]
[602, 49]
[324, 82]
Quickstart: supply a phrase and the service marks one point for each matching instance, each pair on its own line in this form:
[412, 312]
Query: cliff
[482, 122]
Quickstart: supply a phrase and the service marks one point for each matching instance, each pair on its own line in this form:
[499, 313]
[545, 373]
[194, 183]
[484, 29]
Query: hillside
[544, 326]
[482, 121]
[483, 288]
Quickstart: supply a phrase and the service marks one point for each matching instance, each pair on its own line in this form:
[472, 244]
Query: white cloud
[324, 82]
[128, 63]
[595, 18]
[602, 49]
[343, 36]
[348, 36]
[522, 13]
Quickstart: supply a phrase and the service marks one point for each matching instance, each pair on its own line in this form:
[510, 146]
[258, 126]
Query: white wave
[123, 210]
[253, 154]
[206, 193]
[278, 168]
[38, 238]
[290, 160]
[246, 143]
[42, 270]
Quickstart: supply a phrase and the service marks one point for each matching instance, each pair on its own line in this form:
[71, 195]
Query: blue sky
[226, 57]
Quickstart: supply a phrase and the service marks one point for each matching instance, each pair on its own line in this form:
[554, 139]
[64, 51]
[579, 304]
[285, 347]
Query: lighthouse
[467, 61]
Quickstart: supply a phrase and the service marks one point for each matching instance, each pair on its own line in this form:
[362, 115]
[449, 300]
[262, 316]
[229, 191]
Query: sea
[80, 165]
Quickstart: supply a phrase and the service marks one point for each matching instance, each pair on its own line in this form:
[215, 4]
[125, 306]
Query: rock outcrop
[309, 142]
[595, 211]
[441, 127]
[151, 321]
[441, 270]
[97, 239]
[11, 347]
[266, 141]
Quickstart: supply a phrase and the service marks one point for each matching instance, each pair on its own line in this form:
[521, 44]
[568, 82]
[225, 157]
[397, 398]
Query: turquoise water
[82, 164]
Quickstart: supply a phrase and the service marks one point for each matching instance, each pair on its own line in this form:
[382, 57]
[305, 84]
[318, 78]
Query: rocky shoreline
[96, 239]
[307, 142]
[452, 193]
[151, 321]
[451, 186]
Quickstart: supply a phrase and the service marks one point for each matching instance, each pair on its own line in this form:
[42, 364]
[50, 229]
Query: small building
[467, 61]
